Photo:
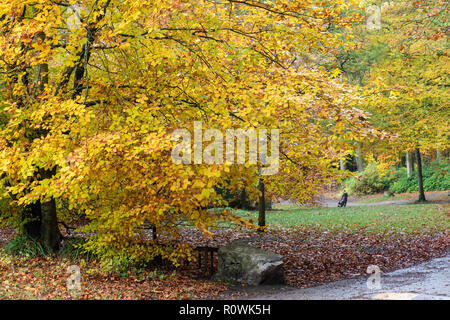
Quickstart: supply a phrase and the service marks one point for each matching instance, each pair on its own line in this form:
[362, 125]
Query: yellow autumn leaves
[145, 68]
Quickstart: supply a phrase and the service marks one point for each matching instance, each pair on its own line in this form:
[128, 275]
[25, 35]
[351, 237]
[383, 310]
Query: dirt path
[435, 197]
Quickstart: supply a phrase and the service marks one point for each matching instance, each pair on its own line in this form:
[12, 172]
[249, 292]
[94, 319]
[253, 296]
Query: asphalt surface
[427, 281]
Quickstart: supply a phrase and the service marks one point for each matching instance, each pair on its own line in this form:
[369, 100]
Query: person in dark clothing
[343, 201]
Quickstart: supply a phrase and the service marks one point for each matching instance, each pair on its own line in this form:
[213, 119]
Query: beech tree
[414, 79]
[93, 90]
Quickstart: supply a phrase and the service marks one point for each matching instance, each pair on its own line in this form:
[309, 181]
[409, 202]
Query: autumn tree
[414, 78]
[93, 90]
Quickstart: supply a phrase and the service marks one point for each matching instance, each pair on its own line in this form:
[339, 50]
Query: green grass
[23, 245]
[386, 198]
[403, 219]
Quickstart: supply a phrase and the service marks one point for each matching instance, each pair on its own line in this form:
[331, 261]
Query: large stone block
[242, 263]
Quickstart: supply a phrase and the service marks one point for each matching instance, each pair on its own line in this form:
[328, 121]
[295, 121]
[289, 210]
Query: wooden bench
[204, 264]
[150, 226]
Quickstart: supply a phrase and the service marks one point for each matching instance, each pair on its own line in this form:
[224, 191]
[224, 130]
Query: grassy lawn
[417, 218]
[430, 195]
[383, 198]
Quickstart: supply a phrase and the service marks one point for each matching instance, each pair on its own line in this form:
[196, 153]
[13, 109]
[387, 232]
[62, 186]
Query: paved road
[427, 281]
[431, 198]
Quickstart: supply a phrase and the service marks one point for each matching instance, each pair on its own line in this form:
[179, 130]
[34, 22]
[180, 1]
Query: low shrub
[369, 181]
[25, 246]
[73, 249]
[435, 178]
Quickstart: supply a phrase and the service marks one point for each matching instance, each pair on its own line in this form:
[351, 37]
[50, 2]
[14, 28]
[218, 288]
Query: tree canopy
[91, 92]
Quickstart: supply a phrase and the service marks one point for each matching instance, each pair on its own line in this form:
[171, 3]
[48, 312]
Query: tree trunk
[342, 164]
[49, 231]
[244, 203]
[359, 159]
[262, 205]
[439, 156]
[409, 164]
[50, 234]
[420, 177]
[31, 215]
